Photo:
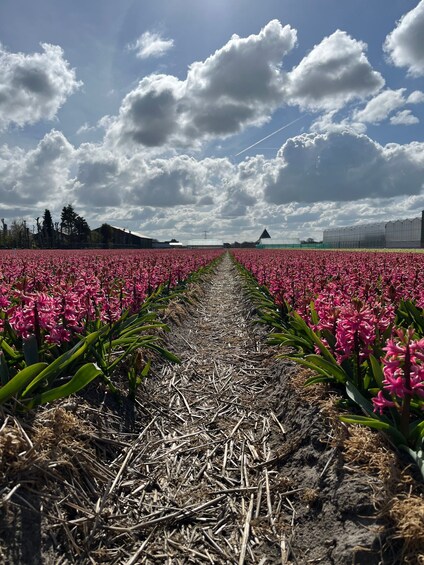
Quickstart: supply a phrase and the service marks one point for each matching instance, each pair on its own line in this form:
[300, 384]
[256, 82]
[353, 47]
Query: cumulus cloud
[343, 166]
[151, 44]
[416, 97]
[405, 45]
[327, 122]
[149, 114]
[110, 179]
[308, 185]
[405, 118]
[168, 182]
[379, 107]
[335, 72]
[245, 69]
[241, 84]
[33, 87]
[101, 177]
[236, 201]
[39, 175]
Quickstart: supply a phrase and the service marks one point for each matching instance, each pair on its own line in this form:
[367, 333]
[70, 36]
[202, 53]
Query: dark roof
[265, 235]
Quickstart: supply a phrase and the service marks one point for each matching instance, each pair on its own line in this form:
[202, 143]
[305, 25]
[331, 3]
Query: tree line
[71, 231]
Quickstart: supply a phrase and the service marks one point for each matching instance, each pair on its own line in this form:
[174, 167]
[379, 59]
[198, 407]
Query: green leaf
[132, 347]
[53, 370]
[416, 431]
[322, 369]
[366, 421]
[4, 370]
[316, 379]
[9, 350]
[300, 322]
[292, 340]
[80, 380]
[377, 371]
[354, 394]
[20, 380]
[376, 423]
[164, 352]
[30, 350]
[331, 368]
[314, 315]
[146, 369]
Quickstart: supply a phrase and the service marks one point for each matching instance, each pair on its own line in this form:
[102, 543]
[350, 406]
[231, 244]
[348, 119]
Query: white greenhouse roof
[281, 241]
[204, 243]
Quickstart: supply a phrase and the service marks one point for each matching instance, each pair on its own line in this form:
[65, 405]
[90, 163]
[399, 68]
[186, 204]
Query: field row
[69, 317]
[356, 320]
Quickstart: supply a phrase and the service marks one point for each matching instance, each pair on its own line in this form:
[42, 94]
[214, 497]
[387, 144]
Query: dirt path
[201, 456]
[229, 466]
[210, 485]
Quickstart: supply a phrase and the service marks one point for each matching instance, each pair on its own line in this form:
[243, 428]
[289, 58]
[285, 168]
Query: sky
[218, 118]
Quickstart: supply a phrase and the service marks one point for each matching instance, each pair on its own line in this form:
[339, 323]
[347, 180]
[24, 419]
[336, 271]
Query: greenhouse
[407, 234]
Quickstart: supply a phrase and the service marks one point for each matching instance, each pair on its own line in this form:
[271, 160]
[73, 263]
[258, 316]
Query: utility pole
[206, 233]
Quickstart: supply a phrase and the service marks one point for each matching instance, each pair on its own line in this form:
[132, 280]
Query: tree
[3, 233]
[74, 227]
[106, 233]
[47, 229]
[67, 220]
[18, 234]
[82, 230]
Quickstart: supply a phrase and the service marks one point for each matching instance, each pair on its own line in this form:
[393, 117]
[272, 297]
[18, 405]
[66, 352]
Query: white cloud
[405, 45]
[416, 97]
[335, 72]
[177, 181]
[343, 166]
[33, 87]
[379, 107]
[326, 123]
[100, 179]
[405, 118]
[316, 179]
[86, 128]
[109, 179]
[241, 84]
[245, 69]
[151, 45]
[149, 114]
[38, 176]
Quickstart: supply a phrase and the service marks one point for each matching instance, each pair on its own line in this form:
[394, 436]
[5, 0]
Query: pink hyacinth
[380, 402]
[403, 369]
[356, 332]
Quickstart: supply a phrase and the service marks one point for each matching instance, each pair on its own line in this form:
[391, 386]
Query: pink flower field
[355, 295]
[57, 294]
[355, 319]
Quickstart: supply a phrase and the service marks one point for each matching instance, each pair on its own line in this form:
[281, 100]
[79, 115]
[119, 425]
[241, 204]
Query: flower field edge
[34, 370]
[377, 364]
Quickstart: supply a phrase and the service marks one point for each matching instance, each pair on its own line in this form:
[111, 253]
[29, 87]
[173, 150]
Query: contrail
[270, 135]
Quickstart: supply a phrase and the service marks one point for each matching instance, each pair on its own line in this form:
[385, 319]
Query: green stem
[357, 362]
[406, 404]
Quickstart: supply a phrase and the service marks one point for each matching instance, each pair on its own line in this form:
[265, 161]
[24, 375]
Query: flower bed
[356, 319]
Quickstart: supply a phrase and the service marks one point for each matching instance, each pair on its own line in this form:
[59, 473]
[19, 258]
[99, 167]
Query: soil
[222, 459]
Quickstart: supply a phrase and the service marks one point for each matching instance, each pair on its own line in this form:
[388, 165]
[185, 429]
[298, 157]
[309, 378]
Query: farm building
[204, 244]
[266, 242]
[269, 243]
[122, 237]
[407, 234]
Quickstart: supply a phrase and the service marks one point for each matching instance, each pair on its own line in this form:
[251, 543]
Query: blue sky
[141, 113]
